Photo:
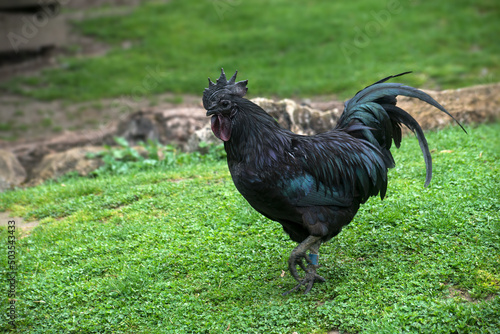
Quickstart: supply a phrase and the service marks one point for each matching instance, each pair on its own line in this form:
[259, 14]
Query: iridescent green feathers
[351, 161]
[343, 167]
[375, 107]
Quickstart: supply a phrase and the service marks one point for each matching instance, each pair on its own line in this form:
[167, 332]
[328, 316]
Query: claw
[308, 281]
[294, 260]
[301, 264]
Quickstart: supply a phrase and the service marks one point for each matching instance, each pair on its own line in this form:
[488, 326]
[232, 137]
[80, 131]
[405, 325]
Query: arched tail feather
[375, 108]
[379, 91]
[403, 117]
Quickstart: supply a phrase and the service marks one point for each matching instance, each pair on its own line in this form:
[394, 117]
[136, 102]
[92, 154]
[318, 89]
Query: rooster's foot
[309, 280]
[297, 258]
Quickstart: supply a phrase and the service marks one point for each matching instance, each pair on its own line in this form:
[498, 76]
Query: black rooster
[312, 185]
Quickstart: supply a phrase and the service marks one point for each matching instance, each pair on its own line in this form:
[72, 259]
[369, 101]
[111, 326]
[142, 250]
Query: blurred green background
[284, 48]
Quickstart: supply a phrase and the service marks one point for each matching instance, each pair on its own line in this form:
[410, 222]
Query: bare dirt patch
[455, 292]
[22, 225]
[29, 119]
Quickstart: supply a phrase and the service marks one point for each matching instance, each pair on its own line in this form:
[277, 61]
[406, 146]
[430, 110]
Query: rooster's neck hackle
[257, 137]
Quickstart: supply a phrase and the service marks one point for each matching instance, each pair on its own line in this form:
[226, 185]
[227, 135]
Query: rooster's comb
[230, 87]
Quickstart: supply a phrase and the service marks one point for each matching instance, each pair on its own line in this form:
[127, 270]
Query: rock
[30, 154]
[12, 173]
[181, 123]
[54, 165]
[300, 119]
[167, 126]
[472, 105]
[173, 126]
[206, 135]
[141, 126]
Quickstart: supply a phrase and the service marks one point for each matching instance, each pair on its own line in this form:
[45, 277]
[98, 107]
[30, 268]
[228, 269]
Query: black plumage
[312, 185]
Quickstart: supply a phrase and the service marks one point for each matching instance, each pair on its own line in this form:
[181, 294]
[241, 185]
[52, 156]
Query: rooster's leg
[298, 255]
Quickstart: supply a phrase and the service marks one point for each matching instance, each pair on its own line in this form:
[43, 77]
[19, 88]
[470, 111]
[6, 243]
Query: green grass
[178, 250]
[284, 48]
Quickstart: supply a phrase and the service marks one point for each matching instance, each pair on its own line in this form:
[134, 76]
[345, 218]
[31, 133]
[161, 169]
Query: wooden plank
[15, 4]
[31, 32]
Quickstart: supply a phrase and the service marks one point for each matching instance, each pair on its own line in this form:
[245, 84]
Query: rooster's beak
[211, 112]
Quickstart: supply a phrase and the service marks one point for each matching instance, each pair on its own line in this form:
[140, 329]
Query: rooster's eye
[225, 104]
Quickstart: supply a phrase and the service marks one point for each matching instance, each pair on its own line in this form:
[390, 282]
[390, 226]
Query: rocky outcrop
[203, 135]
[55, 165]
[30, 154]
[180, 124]
[12, 173]
[301, 119]
[173, 126]
[472, 105]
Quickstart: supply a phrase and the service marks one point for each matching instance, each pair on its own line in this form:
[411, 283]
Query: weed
[123, 159]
